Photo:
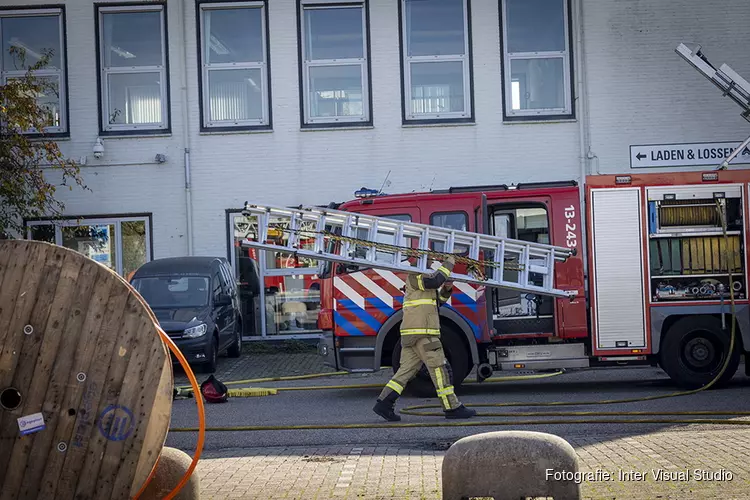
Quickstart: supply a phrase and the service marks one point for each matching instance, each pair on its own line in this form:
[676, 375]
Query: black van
[196, 302]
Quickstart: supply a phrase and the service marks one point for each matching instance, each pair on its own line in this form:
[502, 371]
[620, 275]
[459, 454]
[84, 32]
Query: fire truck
[650, 273]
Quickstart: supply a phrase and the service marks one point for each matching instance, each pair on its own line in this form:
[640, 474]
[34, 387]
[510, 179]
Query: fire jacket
[424, 293]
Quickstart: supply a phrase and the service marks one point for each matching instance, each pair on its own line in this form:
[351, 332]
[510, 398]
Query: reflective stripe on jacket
[422, 299]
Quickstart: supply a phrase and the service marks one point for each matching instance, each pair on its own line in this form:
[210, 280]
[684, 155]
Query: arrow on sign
[640, 156]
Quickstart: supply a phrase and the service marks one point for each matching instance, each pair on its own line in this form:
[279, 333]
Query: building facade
[181, 110]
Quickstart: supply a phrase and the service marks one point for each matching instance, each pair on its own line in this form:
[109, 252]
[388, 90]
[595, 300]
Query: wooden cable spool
[80, 347]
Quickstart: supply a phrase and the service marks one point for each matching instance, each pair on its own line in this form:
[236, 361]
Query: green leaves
[27, 152]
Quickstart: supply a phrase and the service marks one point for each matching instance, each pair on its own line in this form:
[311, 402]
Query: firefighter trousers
[415, 350]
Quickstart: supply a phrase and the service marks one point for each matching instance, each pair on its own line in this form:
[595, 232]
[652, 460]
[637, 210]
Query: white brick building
[589, 78]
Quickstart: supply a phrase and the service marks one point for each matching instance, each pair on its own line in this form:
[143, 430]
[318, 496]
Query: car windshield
[173, 292]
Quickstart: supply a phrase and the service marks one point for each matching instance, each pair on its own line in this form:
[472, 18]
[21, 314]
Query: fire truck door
[514, 312]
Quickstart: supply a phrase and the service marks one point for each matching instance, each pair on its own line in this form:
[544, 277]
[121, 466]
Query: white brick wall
[292, 166]
[640, 92]
[118, 188]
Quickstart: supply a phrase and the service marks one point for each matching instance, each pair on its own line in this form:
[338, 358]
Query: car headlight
[195, 331]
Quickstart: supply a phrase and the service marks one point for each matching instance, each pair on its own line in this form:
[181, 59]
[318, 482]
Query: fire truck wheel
[694, 350]
[457, 366]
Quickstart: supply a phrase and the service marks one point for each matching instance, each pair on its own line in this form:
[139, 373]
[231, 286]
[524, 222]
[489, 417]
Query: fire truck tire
[458, 365]
[693, 352]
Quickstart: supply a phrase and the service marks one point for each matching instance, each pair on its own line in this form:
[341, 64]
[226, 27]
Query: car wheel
[210, 365]
[235, 349]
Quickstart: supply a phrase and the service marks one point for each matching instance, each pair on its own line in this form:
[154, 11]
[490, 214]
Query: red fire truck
[650, 272]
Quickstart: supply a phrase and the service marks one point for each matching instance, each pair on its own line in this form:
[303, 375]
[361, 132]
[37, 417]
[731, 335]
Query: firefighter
[420, 343]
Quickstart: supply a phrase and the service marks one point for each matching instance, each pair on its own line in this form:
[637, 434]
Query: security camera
[98, 148]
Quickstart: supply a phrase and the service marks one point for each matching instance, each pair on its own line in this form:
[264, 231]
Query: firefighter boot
[385, 407]
[460, 412]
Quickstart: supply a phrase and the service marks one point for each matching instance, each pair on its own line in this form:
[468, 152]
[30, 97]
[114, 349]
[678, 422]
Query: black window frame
[367, 83]
[504, 73]
[471, 119]
[65, 66]
[167, 129]
[83, 217]
[202, 91]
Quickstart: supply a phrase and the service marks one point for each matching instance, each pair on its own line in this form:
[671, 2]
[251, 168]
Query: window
[229, 282]
[233, 56]
[536, 63]
[285, 299]
[335, 69]
[436, 60]
[386, 256]
[26, 37]
[134, 87]
[122, 244]
[452, 220]
[525, 224]
[406, 241]
[218, 286]
[172, 291]
[457, 221]
[534, 313]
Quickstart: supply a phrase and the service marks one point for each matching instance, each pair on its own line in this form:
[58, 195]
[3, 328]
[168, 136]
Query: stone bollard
[169, 470]
[509, 465]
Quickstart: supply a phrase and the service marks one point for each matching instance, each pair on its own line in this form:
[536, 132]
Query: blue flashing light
[364, 192]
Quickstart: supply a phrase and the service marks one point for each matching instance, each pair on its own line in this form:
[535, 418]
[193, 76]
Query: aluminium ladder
[729, 82]
[385, 243]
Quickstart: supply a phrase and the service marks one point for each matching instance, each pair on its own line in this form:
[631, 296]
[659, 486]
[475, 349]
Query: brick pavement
[380, 473]
[254, 364]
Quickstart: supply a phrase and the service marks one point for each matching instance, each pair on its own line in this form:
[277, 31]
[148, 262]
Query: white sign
[687, 155]
[31, 423]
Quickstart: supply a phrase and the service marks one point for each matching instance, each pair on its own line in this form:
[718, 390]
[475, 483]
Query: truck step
[539, 357]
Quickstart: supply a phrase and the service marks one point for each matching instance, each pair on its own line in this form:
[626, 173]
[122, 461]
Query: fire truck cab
[656, 291]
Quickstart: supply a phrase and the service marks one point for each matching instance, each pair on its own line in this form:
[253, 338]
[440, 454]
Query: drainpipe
[583, 125]
[186, 130]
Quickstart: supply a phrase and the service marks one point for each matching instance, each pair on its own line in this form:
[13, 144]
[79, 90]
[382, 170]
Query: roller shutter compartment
[618, 268]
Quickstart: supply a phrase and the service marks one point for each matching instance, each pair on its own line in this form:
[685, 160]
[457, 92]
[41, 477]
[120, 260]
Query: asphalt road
[346, 406]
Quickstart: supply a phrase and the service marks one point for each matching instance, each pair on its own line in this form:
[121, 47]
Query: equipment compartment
[687, 246]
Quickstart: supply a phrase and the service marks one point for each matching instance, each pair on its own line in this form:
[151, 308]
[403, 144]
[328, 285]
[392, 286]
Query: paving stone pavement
[259, 364]
[380, 473]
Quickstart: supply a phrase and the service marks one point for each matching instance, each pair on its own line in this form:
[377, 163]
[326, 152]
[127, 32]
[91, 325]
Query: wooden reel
[85, 380]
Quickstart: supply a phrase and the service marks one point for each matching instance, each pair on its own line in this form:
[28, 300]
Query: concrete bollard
[509, 465]
[169, 470]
